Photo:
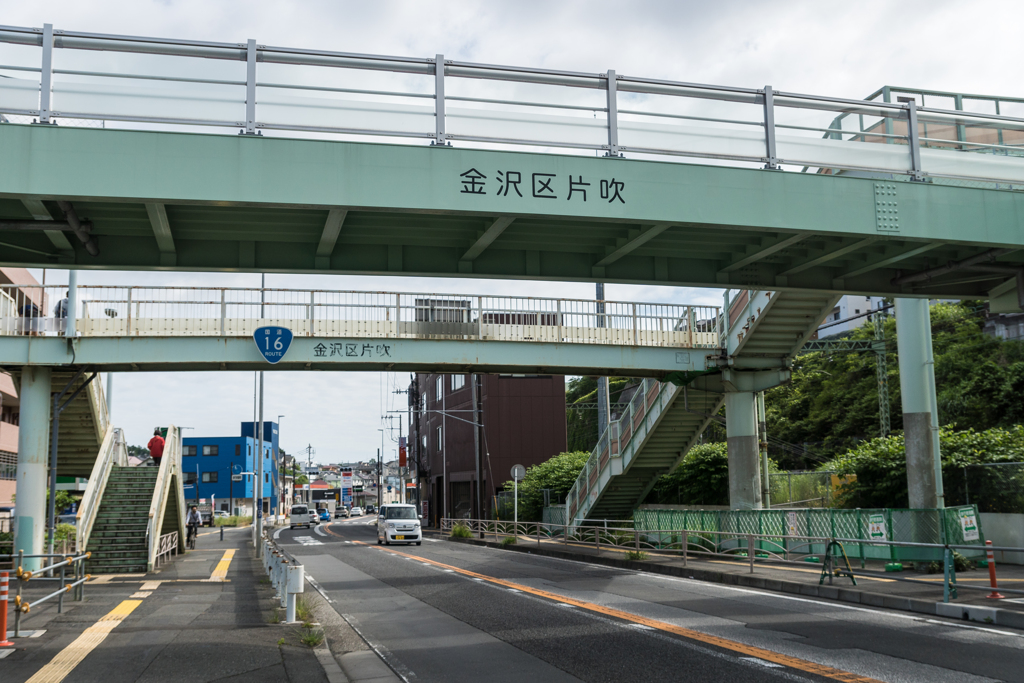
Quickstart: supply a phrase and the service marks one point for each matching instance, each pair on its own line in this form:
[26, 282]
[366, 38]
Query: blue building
[208, 462]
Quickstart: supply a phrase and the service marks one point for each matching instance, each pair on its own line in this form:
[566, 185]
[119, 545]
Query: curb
[988, 615]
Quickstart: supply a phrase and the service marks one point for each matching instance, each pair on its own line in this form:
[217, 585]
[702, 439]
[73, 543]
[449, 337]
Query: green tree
[581, 409]
[702, 478]
[831, 404]
[880, 467]
[557, 474]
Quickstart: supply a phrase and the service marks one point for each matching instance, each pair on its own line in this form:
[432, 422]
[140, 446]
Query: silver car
[399, 524]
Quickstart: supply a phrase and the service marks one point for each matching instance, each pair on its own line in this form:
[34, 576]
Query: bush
[637, 555]
[880, 466]
[238, 520]
[461, 531]
[509, 540]
[557, 474]
[702, 478]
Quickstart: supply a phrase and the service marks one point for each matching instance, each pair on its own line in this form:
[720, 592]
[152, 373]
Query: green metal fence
[786, 526]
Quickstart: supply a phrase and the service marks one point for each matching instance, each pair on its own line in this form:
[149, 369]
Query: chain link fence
[801, 489]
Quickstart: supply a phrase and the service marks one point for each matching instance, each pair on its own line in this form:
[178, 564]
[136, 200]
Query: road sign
[969, 523]
[876, 528]
[273, 342]
[236, 477]
[389, 489]
[518, 472]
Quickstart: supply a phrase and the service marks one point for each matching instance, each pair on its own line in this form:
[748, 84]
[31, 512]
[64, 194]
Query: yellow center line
[221, 572]
[71, 656]
[724, 643]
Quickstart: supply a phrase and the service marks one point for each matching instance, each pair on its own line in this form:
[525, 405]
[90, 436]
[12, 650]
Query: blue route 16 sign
[273, 342]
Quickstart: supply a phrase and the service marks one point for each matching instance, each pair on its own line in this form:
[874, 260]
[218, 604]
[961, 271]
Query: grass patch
[310, 636]
[274, 618]
[509, 540]
[303, 610]
[461, 531]
[232, 521]
[280, 642]
[637, 555]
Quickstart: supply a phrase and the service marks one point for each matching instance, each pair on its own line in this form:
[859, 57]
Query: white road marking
[307, 540]
[277, 534]
[761, 662]
[318, 530]
[4, 653]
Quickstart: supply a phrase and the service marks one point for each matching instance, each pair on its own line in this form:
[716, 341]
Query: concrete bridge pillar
[33, 450]
[741, 433]
[920, 412]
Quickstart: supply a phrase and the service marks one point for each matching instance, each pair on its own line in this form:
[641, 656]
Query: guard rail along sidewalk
[269, 90]
[750, 547]
[287, 575]
[113, 451]
[58, 574]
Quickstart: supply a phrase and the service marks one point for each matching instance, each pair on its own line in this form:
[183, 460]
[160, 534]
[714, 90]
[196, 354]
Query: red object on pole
[3, 611]
[990, 556]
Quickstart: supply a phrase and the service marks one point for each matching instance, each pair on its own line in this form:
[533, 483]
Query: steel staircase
[663, 421]
[118, 541]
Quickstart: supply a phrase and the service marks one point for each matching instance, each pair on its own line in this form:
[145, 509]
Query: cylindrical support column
[741, 433]
[110, 396]
[920, 416]
[70, 331]
[762, 437]
[33, 445]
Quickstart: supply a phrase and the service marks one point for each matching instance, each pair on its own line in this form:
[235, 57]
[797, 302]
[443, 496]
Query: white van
[398, 524]
[299, 516]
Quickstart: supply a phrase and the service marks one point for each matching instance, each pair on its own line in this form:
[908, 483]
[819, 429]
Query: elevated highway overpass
[793, 199]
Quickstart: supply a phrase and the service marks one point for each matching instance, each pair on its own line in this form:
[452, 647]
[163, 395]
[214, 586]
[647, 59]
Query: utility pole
[258, 521]
[476, 445]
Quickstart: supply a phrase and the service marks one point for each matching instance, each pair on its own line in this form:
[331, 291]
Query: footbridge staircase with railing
[762, 332]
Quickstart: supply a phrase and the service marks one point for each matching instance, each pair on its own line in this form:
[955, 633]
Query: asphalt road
[452, 612]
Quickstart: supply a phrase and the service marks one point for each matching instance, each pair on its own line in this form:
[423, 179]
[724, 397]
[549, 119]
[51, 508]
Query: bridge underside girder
[217, 203]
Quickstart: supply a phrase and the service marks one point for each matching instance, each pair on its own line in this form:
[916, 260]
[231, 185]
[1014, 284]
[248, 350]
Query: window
[210, 450]
[458, 381]
[209, 477]
[439, 437]
[856, 311]
[190, 477]
[188, 450]
[266, 478]
[238, 449]
[439, 384]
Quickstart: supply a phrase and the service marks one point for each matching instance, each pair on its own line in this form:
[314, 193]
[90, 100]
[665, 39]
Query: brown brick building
[522, 422]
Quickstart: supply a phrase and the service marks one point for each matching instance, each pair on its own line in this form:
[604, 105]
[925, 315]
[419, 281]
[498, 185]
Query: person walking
[156, 447]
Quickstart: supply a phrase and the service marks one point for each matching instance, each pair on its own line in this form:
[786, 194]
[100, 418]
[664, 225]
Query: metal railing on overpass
[117, 311]
[312, 93]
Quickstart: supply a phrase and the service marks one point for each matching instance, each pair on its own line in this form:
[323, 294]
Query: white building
[848, 306]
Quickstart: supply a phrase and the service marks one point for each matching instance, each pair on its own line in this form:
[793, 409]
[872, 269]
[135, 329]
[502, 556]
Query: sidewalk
[879, 590]
[207, 615]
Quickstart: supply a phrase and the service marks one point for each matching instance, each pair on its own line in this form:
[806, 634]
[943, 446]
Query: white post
[72, 309]
[33, 452]
[515, 505]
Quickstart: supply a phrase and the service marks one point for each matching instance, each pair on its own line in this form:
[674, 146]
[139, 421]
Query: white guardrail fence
[114, 311]
[287, 575]
[750, 548]
[60, 76]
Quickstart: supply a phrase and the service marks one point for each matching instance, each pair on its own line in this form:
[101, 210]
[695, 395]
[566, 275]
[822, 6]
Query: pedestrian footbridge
[157, 328]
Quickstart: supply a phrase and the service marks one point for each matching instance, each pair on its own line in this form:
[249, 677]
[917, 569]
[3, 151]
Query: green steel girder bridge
[244, 157]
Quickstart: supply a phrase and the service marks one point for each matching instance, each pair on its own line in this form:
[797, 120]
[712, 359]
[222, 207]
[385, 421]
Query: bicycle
[190, 541]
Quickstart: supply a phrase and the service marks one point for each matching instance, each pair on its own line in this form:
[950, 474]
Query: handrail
[242, 108]
[112, 452]
[170, 467]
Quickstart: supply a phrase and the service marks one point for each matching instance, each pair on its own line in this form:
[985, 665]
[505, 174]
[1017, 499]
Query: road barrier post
[296, 582]
[3, 611]
[750, 551]
[686, 544]
[990, 556]
[283, 582]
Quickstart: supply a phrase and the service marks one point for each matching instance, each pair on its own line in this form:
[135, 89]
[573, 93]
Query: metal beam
[329, 237]
[889, 260]
[827, 256]
[41, 213]
[162, 232]
[764, 252]
[636, 239]
[129, 354]
[484, 240]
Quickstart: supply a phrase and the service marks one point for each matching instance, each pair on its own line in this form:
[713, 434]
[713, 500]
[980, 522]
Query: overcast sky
[839, 49]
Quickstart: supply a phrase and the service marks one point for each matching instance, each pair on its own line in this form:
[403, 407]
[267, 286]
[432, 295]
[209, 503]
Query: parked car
[314, 517]
[221, 514]
[341, 512]
[357, 511]
[298, 516]
[399, 524]
[325, 515]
